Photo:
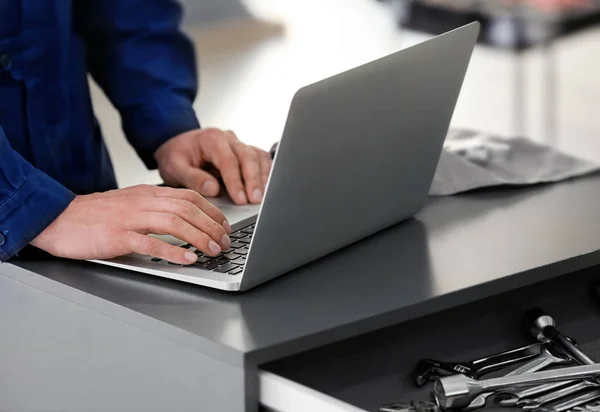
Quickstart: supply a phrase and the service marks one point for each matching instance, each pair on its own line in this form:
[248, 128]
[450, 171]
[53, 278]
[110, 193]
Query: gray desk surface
[458, 249]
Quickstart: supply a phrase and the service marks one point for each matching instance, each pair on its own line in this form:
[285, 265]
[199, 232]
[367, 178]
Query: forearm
[146, 66]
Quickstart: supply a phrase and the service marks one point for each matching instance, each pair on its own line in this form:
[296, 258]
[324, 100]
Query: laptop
[358, 155]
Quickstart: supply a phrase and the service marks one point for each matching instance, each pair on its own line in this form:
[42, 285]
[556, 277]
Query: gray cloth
[472, 160]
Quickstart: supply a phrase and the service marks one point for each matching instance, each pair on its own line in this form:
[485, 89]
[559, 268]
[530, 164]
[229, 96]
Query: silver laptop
[358, 155]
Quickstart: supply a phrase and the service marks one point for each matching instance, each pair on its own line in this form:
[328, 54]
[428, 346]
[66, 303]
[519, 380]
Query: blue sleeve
[145, 65]
[29, 201]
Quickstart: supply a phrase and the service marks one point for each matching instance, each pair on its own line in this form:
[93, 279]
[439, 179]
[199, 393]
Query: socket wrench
[429, 369]
[543, 327]
[545, 359]
[458, 391]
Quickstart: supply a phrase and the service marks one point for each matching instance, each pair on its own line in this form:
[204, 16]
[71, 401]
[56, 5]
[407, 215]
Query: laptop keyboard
[230, 261]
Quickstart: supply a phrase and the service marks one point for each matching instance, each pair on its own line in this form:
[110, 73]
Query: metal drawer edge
[279, 394]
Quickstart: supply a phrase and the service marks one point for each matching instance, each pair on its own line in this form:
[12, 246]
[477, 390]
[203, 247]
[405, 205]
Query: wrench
[458, 391]
[543, 360]
[428, 369]
[530, 404]
[571, 403]
[510, 398]
[544, 328]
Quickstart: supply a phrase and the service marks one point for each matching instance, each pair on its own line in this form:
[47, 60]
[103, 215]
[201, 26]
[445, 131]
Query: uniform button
[2, 239]
[4, 62]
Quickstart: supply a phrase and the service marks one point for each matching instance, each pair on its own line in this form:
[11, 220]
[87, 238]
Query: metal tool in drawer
[458, 391]
[528, 404]
[429, 369]
[543, 327]
[538, 323]
[562, 390]
[544, 360]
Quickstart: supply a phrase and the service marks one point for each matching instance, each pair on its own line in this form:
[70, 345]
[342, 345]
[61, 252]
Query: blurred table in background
[510, 25]
[250, 68]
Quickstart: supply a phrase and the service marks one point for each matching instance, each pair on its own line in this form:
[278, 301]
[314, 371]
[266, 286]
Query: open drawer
[365, 372]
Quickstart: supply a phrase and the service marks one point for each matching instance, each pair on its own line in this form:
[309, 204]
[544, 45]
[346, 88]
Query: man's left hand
[185, 159]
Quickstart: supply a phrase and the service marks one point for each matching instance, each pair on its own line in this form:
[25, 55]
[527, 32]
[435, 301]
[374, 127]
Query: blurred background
[534, 73]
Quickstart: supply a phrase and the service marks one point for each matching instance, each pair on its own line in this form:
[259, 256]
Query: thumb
[200, 181]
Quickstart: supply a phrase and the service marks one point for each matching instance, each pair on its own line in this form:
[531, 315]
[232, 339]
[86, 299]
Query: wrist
[47, 240]
[155, 128]
[164, 152]
[160, 152]
[44, 238]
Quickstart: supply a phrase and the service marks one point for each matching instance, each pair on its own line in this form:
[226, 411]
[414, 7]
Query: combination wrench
[511, 398]
[536, 403]
[545, 359]
[429, 369]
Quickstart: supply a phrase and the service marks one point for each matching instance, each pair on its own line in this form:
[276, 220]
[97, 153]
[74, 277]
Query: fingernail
[225, 242]
[214, 248]
[209, 188]
[257, 196]
[191, 256]
[242, 197]
[227, 227]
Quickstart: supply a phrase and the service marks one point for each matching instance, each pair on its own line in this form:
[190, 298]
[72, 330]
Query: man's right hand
[115, 223]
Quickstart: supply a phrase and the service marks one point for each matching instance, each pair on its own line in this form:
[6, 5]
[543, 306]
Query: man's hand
[115, 223]
[244, 169]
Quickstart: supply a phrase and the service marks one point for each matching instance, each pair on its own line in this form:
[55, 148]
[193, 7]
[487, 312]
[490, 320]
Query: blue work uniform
[51, 146]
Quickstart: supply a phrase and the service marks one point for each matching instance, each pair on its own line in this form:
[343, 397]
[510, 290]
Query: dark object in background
[412, 406]
[32, 253]
[507, 27]
[273, 150]
[515, 26]
[595, 292]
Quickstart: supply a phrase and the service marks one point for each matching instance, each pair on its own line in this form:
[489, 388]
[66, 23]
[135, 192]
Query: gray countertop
[458, 249]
